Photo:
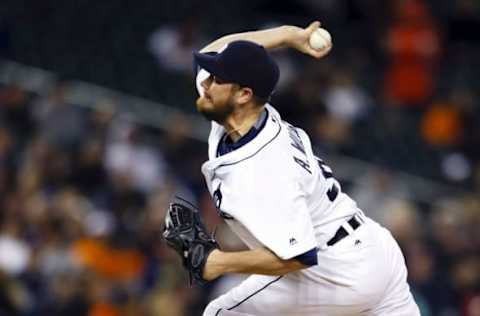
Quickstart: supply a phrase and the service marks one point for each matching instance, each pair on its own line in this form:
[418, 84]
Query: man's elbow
[292, 265]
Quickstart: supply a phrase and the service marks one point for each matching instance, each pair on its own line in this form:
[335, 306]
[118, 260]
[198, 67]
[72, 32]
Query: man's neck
[239, 123]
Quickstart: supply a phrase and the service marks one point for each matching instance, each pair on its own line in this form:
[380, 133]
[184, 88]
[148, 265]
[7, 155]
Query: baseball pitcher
[312, 250]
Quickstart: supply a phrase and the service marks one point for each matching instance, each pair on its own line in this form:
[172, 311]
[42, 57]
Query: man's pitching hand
[298, 38]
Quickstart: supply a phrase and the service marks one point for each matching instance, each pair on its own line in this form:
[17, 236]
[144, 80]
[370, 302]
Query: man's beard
[218, 114]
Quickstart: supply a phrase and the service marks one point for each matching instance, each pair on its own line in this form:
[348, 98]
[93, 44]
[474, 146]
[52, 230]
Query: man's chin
[206, 107]
[210, 115]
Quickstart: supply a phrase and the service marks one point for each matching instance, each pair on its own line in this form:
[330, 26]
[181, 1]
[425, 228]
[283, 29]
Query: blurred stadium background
[98, 131]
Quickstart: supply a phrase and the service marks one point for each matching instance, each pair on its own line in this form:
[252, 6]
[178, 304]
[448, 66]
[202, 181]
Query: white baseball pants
[362, 274]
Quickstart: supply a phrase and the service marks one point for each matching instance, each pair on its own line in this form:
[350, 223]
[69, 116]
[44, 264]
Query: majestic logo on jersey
[293, 241]
[217, 198]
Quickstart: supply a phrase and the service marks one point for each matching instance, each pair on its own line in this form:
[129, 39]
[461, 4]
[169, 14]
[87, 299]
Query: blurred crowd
[83, 190]
[83, 195]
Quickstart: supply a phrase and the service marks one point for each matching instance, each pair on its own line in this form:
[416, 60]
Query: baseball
[320, 39]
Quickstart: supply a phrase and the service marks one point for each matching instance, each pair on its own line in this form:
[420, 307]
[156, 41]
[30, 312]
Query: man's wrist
[289, 33]
[212, 269]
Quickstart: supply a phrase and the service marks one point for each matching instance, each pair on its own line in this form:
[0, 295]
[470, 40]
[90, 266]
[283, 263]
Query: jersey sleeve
[274, 211]
[308, 258]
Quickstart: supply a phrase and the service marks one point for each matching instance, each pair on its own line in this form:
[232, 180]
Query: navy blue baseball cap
[245, 63]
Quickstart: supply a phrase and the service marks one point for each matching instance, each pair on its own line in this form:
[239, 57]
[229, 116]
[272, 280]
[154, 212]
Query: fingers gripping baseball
[312, 40]
[187, 235]
[320, 40]
[313, 27]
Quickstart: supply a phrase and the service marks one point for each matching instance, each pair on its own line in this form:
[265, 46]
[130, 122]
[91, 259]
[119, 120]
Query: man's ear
[244, 95]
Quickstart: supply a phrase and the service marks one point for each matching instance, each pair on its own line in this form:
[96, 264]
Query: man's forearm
[283, 36]
[257, 261]
[271, 38]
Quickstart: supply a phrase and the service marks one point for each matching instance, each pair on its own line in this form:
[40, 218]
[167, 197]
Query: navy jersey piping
[224, 148]
[234, 163]
[250, 296]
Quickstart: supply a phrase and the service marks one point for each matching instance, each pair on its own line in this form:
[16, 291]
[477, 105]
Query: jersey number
[332, 193]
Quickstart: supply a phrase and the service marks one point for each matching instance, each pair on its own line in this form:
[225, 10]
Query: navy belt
[342, 232]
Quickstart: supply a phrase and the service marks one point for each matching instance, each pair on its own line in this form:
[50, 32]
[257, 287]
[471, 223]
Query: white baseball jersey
[274, 192]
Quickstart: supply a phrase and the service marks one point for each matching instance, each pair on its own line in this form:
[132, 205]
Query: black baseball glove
[188, 236]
